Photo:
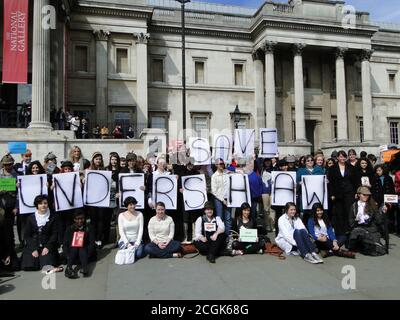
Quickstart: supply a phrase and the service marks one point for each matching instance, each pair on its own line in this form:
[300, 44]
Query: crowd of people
[61, 120]
[357, 218]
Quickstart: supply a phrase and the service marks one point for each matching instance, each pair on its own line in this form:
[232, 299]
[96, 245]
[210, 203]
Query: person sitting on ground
[293, 236]
[366, 223]
[79, 246]
[244, 220]
[161, 232]
[40, 237]
[324, 236]
[209, 233]
[130, 225]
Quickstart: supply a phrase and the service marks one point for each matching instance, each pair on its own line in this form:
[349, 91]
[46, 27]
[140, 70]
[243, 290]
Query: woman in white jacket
[293, 236]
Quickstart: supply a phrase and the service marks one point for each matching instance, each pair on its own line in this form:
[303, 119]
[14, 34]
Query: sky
[380, 10]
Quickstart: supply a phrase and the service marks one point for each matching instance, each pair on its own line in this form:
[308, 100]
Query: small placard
[77, 239]
[391, 198]
[8, 184]
[210, 227]
[365, 182]
[248, 235]
[17, 147]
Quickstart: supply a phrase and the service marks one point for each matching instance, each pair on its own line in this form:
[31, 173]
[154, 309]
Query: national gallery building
[326, 76]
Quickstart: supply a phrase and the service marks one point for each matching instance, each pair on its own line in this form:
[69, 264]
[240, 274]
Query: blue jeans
[155, 252]
[224, 213]
[303, 242]
[139, 252]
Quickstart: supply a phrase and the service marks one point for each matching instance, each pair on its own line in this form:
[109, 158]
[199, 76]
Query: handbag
[125, 256]
[187, 249]
[274, 250]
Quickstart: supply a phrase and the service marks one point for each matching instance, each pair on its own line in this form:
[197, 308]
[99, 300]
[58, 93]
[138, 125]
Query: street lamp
[236, 116]
[183, 2]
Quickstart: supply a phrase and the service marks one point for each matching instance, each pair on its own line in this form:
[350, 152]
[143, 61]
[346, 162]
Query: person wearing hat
[9, 199]
[50, 163]
[131, 159]
[366, 223]
[130, 226]
[209, 233]
[291, 161]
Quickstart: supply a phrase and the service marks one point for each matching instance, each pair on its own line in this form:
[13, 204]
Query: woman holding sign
[130, 226]
[245, 221]
[364, 172]
[210, 233]
[40, 237]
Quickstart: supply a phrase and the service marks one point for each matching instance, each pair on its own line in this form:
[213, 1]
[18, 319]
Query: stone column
[367, 95]
[102, 76]
[141, 81]
[270, 104]
[40, 70]
[342, 134]
[259, 90]
[299, 92]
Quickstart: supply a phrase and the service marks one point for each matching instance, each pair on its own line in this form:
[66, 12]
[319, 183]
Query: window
[239, 75]
[394, 132]
[361, 131]
[122, 60]
[158, 70]
[122, 119]
[392, 82]
[199, 72]
[81, 59]
[158, 122]
[200, 126]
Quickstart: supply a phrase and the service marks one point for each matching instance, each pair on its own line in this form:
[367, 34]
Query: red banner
[15, 41]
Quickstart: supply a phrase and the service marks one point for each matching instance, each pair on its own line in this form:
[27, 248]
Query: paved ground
[248, 277]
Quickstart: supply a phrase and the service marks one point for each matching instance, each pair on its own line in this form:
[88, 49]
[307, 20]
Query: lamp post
[183, 2]
[236, 116]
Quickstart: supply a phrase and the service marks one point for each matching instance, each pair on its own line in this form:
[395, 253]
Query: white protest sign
[67, 191]
[238, 190]
[268, 143]
[390, 198]
[129, 186]
[200, 150]
[283, 187]
[222, 148]
[314, 189]
[165, 189]
[29, 188]
[96, 192]
[194, 192]
[244, 142]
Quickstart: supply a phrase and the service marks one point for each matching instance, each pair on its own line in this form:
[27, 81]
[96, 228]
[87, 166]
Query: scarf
[42, 219]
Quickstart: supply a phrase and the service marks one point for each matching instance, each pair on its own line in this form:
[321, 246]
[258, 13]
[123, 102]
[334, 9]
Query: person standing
[219, 183]
[341, 188]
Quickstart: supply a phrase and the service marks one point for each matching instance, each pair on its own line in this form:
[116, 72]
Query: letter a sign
[15, 41]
